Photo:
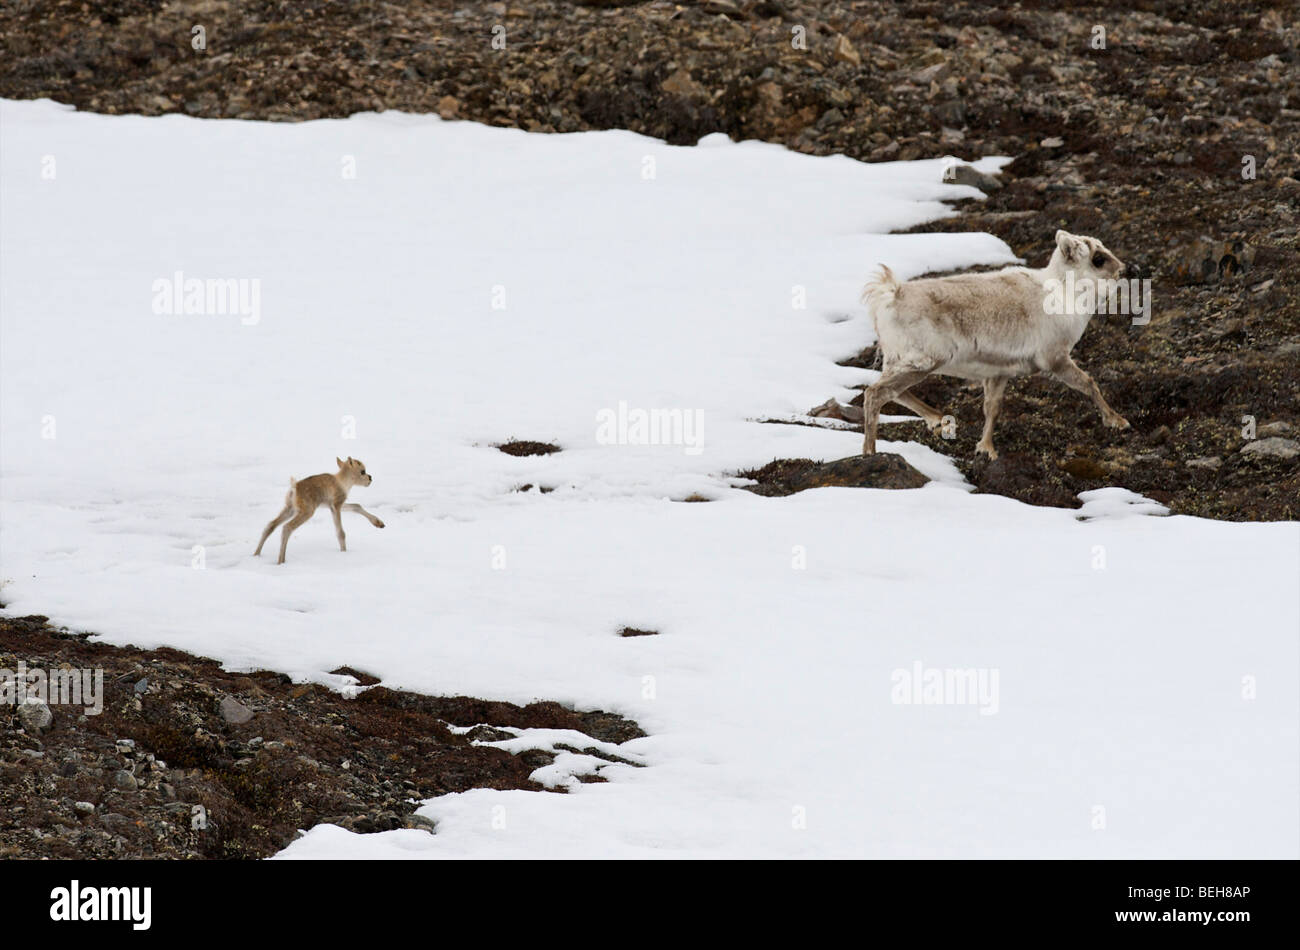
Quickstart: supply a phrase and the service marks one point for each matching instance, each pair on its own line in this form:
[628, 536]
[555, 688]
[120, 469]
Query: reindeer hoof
[988, 450]
[1118, 422]
[379, 524]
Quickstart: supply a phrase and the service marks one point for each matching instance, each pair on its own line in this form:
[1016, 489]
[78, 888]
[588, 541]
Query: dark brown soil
[306, 756]
[787, 476]
[521, 448]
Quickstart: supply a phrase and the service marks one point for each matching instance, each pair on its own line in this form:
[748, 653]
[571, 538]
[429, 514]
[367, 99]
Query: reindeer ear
[1067, 242]
[338, 461]
[351, 460]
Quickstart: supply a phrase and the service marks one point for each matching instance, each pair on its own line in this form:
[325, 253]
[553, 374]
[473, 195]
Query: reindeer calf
[990, 327]
[306, 496]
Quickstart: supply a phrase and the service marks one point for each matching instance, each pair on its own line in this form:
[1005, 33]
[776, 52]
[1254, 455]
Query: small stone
[235, 712]
[724, 8]
[484, 733]
[681, 83]
[419, 823]
[1274, 428]
[936, 73]
[1211, 462]
[536, 758]
[35, 717]
[951, 113]
[448, 107]
[84, 808]
[1054, 141]
[125, 746]
[125, 781]
[844, 51]
[1084, 468]
[1275, 447]
[968, 175]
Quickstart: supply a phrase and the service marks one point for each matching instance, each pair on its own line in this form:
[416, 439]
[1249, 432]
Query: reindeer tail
[881, 289]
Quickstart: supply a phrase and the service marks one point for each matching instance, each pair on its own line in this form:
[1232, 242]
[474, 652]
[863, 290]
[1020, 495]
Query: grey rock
[125, 781]
[936, 72]
[484, 733]
[35, 717]
[420, 823]
[968, 175]
[1209, 462]
[536, 758]
[1276, 447]
[951, 113]
[1274, 428]
[235, 712]
[84, 808]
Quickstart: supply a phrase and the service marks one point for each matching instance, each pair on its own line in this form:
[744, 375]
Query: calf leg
[298, 520]
[337, 512]
[994, 389]
[353, 506]
[894, 381]
[279, 519]
[1068, 372]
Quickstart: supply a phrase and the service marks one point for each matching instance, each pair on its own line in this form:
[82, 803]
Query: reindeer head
[1086, 256]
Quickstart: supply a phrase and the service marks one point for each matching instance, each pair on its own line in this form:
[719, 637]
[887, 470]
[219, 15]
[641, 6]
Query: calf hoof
[988, 450]
[379, 524]
[1117, 422]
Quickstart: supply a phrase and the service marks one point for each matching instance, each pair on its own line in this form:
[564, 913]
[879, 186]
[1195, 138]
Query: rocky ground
[187, 760]
[1169, 130]
[1176, 141]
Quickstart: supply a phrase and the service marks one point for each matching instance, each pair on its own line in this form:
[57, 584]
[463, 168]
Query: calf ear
[338, 461]
[1068, 244]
